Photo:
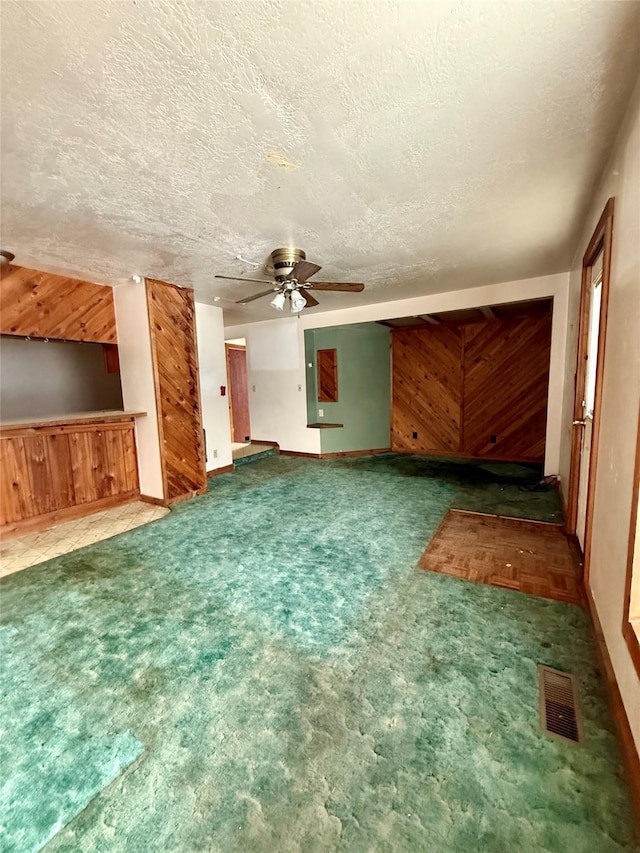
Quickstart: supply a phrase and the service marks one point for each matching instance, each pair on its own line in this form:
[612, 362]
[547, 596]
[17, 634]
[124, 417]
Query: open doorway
[236, 352]
[594, 296]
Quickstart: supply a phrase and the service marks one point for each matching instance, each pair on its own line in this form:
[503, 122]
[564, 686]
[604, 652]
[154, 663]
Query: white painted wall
[276, 378]
[620, 399]
[213, 374]
[276, 356]
[136, 376]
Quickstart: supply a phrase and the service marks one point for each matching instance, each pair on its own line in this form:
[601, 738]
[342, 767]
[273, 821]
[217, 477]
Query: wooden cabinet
[474, 389]
[56, 470]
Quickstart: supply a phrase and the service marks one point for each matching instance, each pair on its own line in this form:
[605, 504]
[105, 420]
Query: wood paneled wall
[175, 362]
[47, 470]
[458, 385]
[506, 385]
[44, 305]
[427, 388]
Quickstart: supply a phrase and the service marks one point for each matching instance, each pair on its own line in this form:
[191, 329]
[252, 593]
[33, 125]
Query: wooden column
[175, 365]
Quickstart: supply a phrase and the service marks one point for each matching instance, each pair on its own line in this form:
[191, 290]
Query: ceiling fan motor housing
[284, 260]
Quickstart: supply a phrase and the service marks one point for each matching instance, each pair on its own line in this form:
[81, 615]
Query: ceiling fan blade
[311, 301]
[256, 296]
[303, 270]
[351, 286]
[235, 278]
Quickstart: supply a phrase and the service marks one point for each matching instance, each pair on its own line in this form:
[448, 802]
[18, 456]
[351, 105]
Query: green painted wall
[364, 386]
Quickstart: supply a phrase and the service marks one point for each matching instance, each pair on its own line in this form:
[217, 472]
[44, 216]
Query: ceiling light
[297, 302]
[216, 299]
[278, 301]
[137, 278]
[6, 257]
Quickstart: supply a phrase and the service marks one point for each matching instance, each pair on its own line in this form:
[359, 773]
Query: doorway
[585, 422]
[238, 393]
[592, 328]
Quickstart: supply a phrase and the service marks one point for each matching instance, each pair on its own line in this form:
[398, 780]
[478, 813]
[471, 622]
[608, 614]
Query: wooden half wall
[64, 469]
[44, 305]
[473, 389]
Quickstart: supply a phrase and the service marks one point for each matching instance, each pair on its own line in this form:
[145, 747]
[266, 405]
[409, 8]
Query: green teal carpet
[296, 683]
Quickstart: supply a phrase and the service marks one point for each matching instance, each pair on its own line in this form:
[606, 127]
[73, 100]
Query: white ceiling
[417, 147]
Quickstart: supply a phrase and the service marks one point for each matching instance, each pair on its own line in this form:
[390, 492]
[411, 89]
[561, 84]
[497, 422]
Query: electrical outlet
[415, 435]
[299, 387]
[253, 387]
[320, 413]
[215, 454]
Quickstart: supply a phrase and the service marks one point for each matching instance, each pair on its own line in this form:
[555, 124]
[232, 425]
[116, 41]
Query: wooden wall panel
[49, 469]
[506, 385]
[426, 388]
[458, 384]
[44, 305]
[175, 357]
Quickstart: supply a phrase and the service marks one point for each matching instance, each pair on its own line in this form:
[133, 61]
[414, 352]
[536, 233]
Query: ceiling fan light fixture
[278, 301]
[297, 302]
[6, 257]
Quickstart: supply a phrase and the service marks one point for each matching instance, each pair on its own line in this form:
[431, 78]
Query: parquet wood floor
[526, 556]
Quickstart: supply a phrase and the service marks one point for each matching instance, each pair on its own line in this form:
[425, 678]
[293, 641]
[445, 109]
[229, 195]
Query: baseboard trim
[372, 452]
[37, 523]
[630, 757]
[264, 441]
[224, 470]
[169, 501]
[194, 494]
[336, 455]
[469, 457]
[155, 501]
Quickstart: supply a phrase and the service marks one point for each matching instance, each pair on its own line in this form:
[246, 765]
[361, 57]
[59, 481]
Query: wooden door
[238, 393]
[175, 364]
[596, 267]
[587, 395]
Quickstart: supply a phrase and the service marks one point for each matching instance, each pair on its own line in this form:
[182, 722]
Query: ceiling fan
[292, 272]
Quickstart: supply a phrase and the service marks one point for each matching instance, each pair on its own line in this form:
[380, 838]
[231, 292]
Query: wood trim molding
[601, 240]
[628, 630]
[224, 470]
[630, 757]
[264, 441]
[155, 501]
[70, 421]
[336, 455]
[37, 523]
[196, 493]
[340, 454]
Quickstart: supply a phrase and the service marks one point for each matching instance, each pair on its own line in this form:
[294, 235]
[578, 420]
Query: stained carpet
[297, 683]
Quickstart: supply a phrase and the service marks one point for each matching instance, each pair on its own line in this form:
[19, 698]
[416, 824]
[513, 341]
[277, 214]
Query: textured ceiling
[418, 147]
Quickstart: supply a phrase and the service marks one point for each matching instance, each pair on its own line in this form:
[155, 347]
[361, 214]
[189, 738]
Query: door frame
[227, 348]
[601, 241]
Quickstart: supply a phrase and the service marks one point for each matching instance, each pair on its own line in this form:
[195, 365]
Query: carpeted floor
[265, 669]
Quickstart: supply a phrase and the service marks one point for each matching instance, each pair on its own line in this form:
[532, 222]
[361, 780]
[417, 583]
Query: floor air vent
[559, 705]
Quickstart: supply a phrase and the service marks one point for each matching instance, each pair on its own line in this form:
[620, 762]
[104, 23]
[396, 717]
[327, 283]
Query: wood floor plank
[537, 559]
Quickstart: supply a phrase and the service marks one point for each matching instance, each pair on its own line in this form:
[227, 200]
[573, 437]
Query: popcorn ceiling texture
[416, 147]
[289, 681]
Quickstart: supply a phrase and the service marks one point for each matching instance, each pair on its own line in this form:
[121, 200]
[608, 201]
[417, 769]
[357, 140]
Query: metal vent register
[559, 705]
